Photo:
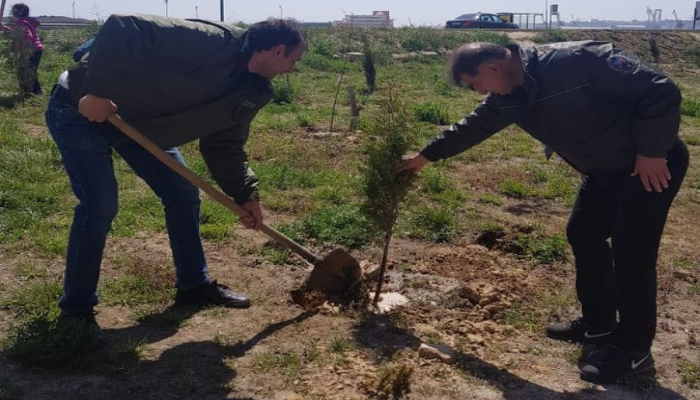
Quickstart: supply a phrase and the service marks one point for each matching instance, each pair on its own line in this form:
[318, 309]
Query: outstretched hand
[653, 173]
[412, 165]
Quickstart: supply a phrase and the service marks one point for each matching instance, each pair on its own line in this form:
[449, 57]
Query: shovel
[334, 275]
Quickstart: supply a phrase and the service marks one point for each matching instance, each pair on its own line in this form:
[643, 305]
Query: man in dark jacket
[615, 120]
[177, 81]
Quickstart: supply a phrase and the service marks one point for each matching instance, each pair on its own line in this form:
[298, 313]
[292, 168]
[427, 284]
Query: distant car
[479, 21]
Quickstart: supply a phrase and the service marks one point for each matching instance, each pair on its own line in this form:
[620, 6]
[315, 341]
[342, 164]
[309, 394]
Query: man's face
[489, 78]
[281, 61]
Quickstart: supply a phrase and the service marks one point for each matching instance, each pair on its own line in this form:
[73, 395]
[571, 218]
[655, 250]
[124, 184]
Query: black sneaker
[579, 331]
[212, 294]
[81, 326]
[616, 363]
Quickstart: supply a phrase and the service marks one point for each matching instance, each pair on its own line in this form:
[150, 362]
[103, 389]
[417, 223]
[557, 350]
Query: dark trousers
[29, 77]
[614, 230]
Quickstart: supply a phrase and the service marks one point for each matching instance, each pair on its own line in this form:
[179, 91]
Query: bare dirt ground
[220, 354]
[463, 295]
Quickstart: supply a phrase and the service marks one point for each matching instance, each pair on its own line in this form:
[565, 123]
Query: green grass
[551, 36]
[522, 316]
[37, 299]
[516, 189]
[690, 107]
[344, 225]
[286, 363]
[690, 374]
[434, 223]
[431, 112]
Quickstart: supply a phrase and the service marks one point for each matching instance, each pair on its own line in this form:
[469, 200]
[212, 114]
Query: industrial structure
[378, 19]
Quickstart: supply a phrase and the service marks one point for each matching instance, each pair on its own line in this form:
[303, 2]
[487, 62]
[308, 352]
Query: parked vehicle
[479, 21]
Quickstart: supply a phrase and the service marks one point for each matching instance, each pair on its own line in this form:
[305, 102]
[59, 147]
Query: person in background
[29, 78]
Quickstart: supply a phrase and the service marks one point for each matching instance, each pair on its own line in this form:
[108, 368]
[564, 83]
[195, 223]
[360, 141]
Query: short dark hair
[468, 57]
[20, 10]
[264, 35]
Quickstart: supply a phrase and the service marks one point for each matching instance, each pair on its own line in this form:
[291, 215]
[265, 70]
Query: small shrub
[654, 50]
[282, 92]
[434, 181]
[438, 224]
[431, 112]
[339, 345]
[549, 250]
[305, 121]
[368, 65]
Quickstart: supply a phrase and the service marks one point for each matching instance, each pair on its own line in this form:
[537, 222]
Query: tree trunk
[382, 268]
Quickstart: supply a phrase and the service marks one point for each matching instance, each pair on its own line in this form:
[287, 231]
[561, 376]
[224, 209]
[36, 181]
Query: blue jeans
[86, 151]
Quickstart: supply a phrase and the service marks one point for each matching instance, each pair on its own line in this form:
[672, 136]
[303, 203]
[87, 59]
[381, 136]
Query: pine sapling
[368, 64]
[390, 134]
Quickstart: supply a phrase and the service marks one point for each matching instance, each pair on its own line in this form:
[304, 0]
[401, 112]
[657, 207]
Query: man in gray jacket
[614, 119]
[177, 81]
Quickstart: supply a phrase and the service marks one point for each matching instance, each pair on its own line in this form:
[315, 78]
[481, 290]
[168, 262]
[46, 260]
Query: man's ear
[280, 50]
[492, 66]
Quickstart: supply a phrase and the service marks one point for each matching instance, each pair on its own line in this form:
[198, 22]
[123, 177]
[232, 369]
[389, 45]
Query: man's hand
[412, 165]
[96, 109]
[653, 172]
[255, 219]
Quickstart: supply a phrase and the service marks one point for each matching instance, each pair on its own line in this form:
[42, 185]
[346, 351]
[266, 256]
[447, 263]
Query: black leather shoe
[212, 294]
[81, 326]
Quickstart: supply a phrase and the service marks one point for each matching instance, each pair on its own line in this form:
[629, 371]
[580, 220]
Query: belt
[64, 95]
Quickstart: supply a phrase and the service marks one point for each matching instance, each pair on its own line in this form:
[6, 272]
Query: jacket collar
[528, 57]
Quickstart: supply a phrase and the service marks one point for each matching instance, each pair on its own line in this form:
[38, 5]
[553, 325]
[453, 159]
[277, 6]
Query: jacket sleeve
[654, 96]
[227, 161]
[482, 123]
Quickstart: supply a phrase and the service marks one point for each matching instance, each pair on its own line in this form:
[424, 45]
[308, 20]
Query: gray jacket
[594, 106]
[178, 81]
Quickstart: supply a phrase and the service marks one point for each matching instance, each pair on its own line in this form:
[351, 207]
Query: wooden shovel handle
[216, 194]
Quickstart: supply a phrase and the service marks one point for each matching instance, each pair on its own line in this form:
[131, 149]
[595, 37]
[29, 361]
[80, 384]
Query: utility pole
[281, 15]
[196, 12]
[222, 10]
[166, 8]
[73, 10]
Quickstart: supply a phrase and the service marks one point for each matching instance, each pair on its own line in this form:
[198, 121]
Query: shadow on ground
[193, 370]
[387, 334]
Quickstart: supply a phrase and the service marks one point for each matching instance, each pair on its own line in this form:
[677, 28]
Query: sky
[404, 12]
